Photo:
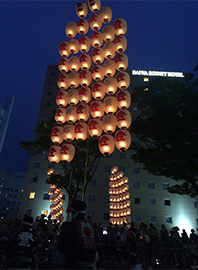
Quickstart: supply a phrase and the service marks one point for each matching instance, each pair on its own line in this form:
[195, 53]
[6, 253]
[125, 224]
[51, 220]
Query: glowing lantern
[82, 26]
[106, 144]
[82, 112]
[95, 22]
[72, 96]
[109, 68]
[73, 79]
[110, 104]
[81, 10]
[110, 85]
[84, 94]
[71, 114]
[94, 5]
[114, 170]
[54, 153]
[85, 77]
[121, 61]
[68, 133]
[95, 127]
[60, 115]
[98, 90]
[97, 73]
[67, 152]
[84, 44]
[81, 131]
[57, 134]
[61, 98]
[109, 50]
[62, 81]
[122, 140]
[123, 80]
[123, 99]
[108, 32]
[63, 65]
[74, 64]
[105, 14]
[96, 39]
[50, 171]
[120, 26]
[109, 123]
[63, 49]
[120, 44]
[98, 55]
[73, 46]
[97, 109]
[85, 61]
[123, 118]
[71, 29]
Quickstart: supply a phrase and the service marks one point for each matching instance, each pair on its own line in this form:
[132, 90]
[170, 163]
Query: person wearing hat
[76, 240]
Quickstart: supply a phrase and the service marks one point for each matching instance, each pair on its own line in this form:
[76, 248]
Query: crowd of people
[44, 243]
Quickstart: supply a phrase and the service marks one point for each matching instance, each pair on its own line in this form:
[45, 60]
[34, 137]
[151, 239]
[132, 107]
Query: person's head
[78, 207]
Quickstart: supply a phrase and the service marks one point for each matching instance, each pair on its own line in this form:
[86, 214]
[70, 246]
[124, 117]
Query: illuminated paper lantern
[105, 14]
[67, 152]
[97, 73]
[71, 114]
[85, 61]
[121, 61]
[63, 65]
[82, 112]
[120, 26]
[85, 77]
[82, 26]
[96, 39]
[114, 170]
[61, 98]
[68, 133]
[60, 115]
[97, 109]
[109, 68]
[54, 153]
[120, 44]
[84, 44]
[123, 80]
[108, 32]
[110, 104]
[81, 10]
[106, 144]
[50, 171]
[110, 85]
[57, 134]
[123, 99]
[71, 29]
[109, 50]
[73, 46]
[94, 5]
[122, 140]
[98, 90]
[74, 63]
[95, 127]
[95, 22]
[123, 118]
[98, 55]
[63, 49]
[81, 131]
[73, 79]
[72, 96]
[62, 81]
[109, 123]
[84, 94]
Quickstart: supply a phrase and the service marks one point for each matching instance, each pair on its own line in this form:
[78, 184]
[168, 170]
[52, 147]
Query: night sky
[162, 35]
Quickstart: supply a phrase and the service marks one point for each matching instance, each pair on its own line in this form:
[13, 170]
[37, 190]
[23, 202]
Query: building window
[146, 79]
[122, 169]
[153, 219]
[167, 202]
[106, 183]
[152, 201]
[52, 73]
[28, 212]
[46, 196]
[136, 170]
[92, 182]
[122, 155]
[168, 219]
[52, 83]
[45, 115]
[137, 218]
[16, 189]
[106, 199]
[49, 93]
[137, 200]
[165, 186]
[36, 164]
[92, 198]
[48, 104]
[136, 184]
[107, 168]
[34, 179]
[78, 197]
[91, 214]
[63, 197]
[106, 216]
[32, 195]
[151, 185]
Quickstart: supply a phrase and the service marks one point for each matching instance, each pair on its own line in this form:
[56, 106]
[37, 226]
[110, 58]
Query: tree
[167, 131]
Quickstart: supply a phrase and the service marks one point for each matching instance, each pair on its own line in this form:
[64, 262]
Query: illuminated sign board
[158, 73]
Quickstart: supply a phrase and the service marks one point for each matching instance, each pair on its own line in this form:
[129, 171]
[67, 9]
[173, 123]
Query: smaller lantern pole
[85, 169]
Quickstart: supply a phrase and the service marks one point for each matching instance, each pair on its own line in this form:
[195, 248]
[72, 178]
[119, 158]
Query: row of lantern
[120, 205]
[120, 221]
[84, 78]
[82, 8]
[84, 62]
[119, 198]
[119, 183]
[120, 213]
[55, 199]
[118, 190]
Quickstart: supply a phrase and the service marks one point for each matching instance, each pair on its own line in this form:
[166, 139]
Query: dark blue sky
[162, 35]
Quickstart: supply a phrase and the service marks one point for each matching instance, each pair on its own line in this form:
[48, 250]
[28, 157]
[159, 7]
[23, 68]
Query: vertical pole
[85, 169]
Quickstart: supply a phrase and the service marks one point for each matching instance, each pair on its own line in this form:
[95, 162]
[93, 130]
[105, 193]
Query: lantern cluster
[119, 197]
[56, 201]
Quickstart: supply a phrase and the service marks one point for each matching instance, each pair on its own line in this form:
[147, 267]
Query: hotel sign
[158, 73]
